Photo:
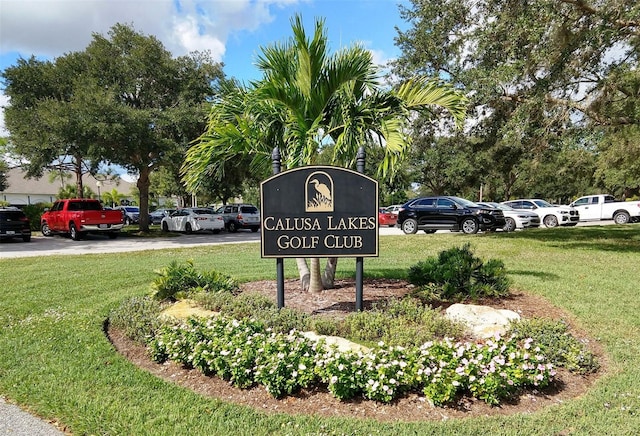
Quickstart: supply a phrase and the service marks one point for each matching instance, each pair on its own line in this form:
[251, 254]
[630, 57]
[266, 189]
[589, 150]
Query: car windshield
[542, 203]
[202, 211]
[11, 215]
[499, 206]
[464, 202]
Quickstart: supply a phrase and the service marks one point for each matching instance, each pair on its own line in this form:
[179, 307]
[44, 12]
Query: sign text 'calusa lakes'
[319, 212]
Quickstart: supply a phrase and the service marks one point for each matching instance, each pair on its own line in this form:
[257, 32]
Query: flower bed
[245, 353]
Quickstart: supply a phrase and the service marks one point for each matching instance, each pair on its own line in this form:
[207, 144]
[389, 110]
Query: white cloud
[50, 28]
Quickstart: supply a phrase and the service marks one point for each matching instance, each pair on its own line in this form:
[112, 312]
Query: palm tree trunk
[329, 273]
[315, 281]
[303, 270]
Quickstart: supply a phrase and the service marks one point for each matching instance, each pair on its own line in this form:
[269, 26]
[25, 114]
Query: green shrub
[284, 320]
[457, 275]
[324, 326]
[34, 212]
[560, 346]
[218, 302]
[137, 318]
[397, 322]
[369, 326]
[181, 280]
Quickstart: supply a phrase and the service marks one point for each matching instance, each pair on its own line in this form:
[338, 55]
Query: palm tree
[308, 99]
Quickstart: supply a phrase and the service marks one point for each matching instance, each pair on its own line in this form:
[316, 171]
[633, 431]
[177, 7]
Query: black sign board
[319, 211]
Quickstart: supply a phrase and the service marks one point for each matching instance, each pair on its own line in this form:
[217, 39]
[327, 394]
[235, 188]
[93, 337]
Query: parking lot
[92, 244]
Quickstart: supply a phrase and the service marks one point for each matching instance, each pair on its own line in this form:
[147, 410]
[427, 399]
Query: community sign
[319, 211]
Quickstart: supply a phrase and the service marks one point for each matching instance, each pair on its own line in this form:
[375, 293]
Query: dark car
[14, 224]
[156, 216]
[448, 213]
[130, 214]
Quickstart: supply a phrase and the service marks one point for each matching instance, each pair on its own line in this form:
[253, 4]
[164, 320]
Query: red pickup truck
[78, 216]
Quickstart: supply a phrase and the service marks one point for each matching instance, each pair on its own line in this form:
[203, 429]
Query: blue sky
[232, 30]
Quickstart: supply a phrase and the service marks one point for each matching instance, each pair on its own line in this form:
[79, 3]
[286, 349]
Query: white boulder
[482, 321]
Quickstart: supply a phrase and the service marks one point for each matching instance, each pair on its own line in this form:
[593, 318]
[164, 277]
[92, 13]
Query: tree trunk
[303, 270]
[143, 186]
[78, 170]
[329, 273]
[315, 280]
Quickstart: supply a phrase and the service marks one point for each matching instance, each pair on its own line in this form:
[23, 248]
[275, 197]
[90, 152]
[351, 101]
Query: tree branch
[592, 10]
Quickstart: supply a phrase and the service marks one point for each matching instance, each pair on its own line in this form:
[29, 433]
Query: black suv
[14, 224]
[448, 213]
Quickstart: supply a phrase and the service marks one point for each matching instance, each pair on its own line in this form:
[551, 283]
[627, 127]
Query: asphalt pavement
[16, 422]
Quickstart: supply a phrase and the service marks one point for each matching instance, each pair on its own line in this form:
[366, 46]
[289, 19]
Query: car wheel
[621, 218]
[510, 225]
[73, 232]
[46, 231]
[165, 227]
[429, 231]
[469, 226]
[410, 226]
[26, 238]
[187, 228]
[216, 231]
[254, 229]
[233, 227]
[550, 221]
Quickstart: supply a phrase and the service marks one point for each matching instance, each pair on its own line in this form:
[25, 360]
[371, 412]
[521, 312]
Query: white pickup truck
[605, 207]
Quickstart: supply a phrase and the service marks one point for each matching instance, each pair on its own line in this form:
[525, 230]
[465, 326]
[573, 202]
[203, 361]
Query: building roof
[20, 184]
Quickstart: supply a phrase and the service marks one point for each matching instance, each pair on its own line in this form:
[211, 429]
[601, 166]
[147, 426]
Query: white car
[192, 219]
[394, 209]
[550, 215]
[515, 219]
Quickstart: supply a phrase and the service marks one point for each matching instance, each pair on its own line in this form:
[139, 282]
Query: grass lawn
[56, 361]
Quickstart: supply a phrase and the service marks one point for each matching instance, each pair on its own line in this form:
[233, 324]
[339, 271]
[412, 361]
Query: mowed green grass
[56, 361]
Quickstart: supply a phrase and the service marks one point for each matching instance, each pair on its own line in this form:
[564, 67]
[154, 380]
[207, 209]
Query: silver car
[515, 219]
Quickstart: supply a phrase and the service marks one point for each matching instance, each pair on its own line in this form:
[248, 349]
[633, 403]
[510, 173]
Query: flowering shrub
[285, 363]
[492, 371]
[245, 353]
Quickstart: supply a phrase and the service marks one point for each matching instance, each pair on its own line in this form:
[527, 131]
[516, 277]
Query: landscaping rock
[483, 321]
[183, 309]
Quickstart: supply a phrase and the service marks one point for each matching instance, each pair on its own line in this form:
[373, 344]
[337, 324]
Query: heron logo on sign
[319, 192]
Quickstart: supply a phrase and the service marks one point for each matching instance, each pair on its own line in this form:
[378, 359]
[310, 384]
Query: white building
[23, 191]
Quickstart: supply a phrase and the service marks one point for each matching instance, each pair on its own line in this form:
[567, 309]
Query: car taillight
[239, 217]
[24, 218]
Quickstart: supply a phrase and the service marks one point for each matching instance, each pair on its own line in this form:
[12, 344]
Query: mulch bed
[413, 407]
